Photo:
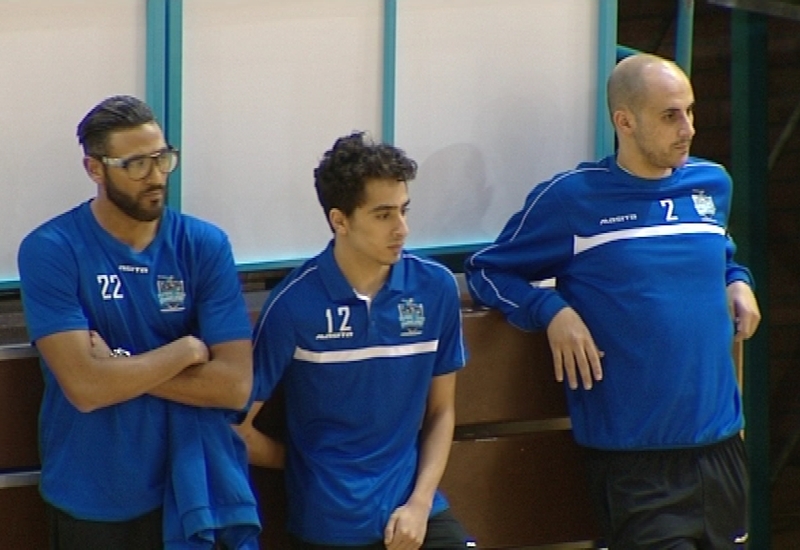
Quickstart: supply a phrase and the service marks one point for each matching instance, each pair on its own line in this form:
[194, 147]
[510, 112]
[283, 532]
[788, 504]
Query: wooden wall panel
[21, 389]
[509, 375]
[518, 491]
[22, 519]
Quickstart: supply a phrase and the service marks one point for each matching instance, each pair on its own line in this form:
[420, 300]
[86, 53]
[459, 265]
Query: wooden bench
[515, 476]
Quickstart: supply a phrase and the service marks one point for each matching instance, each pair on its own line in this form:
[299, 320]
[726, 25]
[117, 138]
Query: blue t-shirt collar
[340, 290]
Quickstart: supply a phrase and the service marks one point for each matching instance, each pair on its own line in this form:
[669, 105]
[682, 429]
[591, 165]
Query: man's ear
[338, 221]
[94, 168]
[624, 121]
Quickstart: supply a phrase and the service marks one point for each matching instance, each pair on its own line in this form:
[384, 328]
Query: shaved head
[651, 103]
[630, 81]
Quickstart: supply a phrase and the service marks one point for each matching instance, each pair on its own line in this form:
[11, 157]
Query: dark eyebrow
[383, 208]
[389, 207]
[144, 155]
[156, 152]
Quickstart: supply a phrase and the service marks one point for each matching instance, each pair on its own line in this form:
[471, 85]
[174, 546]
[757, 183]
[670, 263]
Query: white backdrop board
[493, 96]
[268, 87]
[58, 58]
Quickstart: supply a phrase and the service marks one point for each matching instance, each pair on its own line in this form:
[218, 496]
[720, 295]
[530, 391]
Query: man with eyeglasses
[138, 316]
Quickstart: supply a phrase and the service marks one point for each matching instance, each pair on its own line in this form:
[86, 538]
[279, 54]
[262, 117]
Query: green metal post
[389, 69]
[155, 57]
[606, 59]
[749, 228]
[684, 34]
[174, 92]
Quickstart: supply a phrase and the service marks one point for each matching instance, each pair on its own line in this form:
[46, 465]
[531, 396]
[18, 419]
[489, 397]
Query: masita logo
[141, 269]
[619, 219]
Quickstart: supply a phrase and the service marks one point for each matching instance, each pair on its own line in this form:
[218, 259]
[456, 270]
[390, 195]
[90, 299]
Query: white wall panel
[493, 96]
[58, 58]
[268, 86]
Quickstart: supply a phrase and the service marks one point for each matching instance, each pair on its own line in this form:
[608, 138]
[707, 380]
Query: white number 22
[110, 287]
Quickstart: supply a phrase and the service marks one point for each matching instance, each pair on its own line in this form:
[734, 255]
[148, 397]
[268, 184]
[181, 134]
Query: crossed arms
[185, 370]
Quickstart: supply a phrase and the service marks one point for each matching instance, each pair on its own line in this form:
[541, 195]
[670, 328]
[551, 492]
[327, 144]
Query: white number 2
[670, 206]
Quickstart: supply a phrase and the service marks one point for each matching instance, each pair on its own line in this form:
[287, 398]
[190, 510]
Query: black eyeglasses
[140, 166]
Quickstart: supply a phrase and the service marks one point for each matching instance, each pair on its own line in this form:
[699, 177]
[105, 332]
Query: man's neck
[641, 170]
[365, 277]
[134, 233]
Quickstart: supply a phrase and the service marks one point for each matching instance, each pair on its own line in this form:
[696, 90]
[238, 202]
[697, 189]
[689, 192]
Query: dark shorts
[444, 533]
[142, 533]
[677, 499]
[69, 533]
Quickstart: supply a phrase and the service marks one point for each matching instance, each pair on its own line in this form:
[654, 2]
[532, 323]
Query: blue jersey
[110, 464]
[645, 263]
[356, 377]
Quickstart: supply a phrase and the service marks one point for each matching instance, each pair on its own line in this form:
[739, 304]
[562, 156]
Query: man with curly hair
[366, 339]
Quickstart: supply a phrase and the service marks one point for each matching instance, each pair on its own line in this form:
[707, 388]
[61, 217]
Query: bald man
[647, 303]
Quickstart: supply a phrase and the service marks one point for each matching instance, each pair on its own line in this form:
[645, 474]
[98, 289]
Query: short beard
[129, 205]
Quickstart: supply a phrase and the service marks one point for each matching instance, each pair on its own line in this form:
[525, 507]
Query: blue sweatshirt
[645, 263]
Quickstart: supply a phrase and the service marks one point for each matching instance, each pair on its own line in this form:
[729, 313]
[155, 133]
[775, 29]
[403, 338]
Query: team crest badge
[171, 293]
[412, 317]
[704, 204]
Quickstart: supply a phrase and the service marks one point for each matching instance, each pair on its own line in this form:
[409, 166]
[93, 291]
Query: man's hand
[574, 350]
[406, 527]
[744, 309]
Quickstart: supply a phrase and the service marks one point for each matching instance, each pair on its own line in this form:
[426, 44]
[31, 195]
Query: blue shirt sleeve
[49, 281]
[734, 271]
[221, 309]
[536, 244]
[451, 354]
[273, 344]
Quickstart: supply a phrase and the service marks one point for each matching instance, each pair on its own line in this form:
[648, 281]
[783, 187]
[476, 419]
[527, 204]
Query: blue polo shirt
[356, 376]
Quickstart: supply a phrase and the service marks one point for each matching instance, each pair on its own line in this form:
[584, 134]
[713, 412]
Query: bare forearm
[225, 381]
[437, 438]
[262, 450]
[99, 380]
[211, 384]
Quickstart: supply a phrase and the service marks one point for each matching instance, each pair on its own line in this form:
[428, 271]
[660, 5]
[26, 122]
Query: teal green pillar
[606, 59]
[156, 63]
[749, 229]
[684, 35]
[389, 70]
[164, 52]
[174, 93]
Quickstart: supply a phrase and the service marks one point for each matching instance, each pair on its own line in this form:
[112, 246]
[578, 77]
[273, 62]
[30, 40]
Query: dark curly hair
[115, 113]
[342, 174]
